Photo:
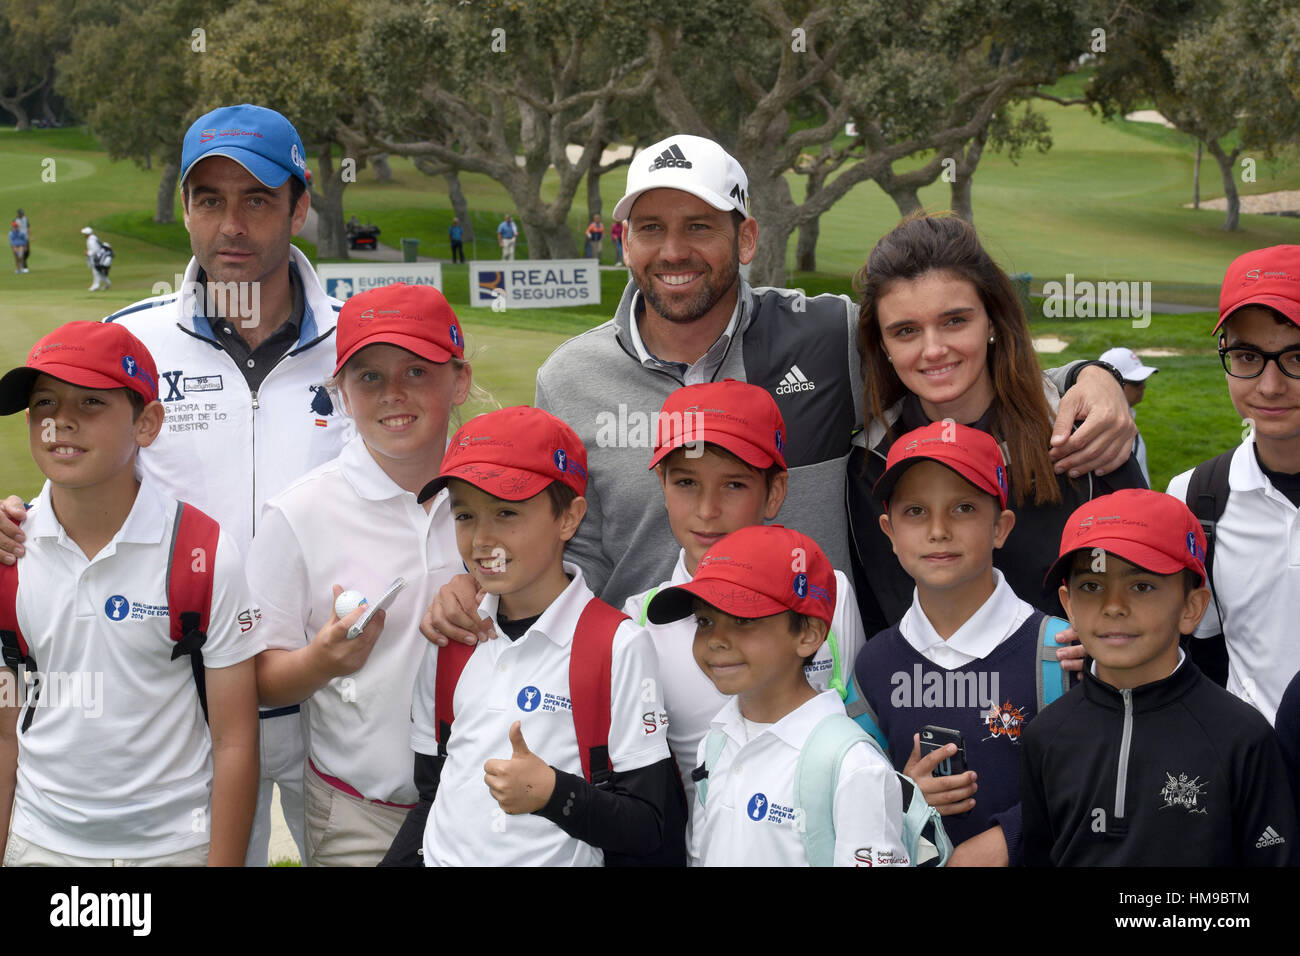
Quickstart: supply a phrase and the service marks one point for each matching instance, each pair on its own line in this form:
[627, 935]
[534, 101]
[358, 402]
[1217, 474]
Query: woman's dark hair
[1020, 416]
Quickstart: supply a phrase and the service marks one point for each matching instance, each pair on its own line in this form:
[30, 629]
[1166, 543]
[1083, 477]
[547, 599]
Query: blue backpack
[816, 777]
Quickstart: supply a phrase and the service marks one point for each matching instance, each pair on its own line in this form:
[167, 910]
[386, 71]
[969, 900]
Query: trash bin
[410, 250]
[1020, 282]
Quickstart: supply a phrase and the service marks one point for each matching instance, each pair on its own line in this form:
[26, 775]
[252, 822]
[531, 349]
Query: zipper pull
[255, 400]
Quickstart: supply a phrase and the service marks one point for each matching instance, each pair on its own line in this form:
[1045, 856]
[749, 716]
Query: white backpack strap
[816, 777]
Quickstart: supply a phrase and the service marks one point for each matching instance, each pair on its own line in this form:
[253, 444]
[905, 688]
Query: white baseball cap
[86, 230]
[692, 164]
[1129, 365]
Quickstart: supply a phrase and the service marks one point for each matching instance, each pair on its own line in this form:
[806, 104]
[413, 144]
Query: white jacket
[223, 448]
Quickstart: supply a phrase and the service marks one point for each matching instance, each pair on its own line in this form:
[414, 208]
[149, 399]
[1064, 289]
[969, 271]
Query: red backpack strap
[451, 662]
[17, 655]
[190, 573]
[591, 665]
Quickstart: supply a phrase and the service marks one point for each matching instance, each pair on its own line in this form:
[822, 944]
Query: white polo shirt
[996, 620]
[117, 761]
[466, 826]
[348, 523]
[749, 818]
[1257, 582]
[691, 698]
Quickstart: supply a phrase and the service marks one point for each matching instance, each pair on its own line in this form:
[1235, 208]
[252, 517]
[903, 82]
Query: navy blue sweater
[906, 691]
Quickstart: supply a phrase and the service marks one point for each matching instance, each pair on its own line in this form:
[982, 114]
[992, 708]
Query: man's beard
[715, 286]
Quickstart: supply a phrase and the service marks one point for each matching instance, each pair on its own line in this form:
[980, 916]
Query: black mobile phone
[933, 738]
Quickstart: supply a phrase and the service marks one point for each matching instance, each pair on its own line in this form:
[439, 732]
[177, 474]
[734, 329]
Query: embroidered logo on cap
[454, 334]
[801, 585]
[128, 364]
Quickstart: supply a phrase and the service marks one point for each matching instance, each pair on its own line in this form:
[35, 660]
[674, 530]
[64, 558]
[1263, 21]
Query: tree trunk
[165, 211]
[964, 176]
[47, 114]
[15, 106]
[1196, 176]
[905, 197]
[1227, 170]
[805, 250]
[548, 240]
[594, 202]
[331, 238]
[383, 172]
[458, 204]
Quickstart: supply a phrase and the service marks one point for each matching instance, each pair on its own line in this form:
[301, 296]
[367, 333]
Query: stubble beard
[715, 286]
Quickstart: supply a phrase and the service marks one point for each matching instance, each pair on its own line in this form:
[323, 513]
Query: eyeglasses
[1242, 361]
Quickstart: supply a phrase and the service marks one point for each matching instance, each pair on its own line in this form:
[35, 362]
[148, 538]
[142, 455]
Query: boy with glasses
[1248, 498]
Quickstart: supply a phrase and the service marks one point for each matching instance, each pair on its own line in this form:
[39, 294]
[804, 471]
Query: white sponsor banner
[345, 279]
[534, 283]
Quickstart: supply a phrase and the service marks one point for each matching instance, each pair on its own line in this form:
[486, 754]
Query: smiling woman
[942, 336]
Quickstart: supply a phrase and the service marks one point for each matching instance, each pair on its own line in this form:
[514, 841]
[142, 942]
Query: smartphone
[382, 604]
[933, 738]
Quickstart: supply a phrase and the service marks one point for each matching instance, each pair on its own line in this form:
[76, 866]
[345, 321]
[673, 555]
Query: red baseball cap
[757, 571]
[412, 317]
[734, 415]
[973, 454]
[88, 354]
[1268, 277]
[513, 454]
[1153, 530]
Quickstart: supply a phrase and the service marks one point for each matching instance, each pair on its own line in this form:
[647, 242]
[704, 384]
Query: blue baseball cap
[259, 139]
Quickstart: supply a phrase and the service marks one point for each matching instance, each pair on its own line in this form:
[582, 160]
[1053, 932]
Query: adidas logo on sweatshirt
[1269, 837]
[794, 381]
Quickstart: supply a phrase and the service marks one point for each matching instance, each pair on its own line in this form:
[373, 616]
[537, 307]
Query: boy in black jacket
[1147, 762]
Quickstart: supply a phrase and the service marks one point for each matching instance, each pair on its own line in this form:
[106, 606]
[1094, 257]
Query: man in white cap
[93, 248]
[243, 348]
[1135, 375]
[687, 317]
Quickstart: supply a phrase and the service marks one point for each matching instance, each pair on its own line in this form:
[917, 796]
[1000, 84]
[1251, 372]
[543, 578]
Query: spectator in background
[595, 233]
[25, 227]
[456, 234]
[1135, 383]
[616, 233]
[507, 234]
[18, 244]
[93, 249]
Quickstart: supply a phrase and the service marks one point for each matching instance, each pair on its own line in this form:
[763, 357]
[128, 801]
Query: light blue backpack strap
[816, 776]
[928, 844]
[712, 751]
[1050, 679]
[856, 706]
[645, 606]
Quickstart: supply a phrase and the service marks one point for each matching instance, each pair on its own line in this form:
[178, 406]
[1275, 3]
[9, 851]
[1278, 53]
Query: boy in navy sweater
[1147, 762]
[963, 658]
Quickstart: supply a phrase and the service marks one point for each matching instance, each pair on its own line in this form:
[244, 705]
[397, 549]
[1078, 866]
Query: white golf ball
[347, 602]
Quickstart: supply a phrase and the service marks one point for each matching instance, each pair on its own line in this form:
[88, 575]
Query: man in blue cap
[242, 346]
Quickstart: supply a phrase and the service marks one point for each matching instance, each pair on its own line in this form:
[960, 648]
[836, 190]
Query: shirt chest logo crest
[1189, 794]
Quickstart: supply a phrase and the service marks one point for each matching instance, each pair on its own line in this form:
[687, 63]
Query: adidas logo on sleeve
[794, 381]
[1269, 837]
[669, 158]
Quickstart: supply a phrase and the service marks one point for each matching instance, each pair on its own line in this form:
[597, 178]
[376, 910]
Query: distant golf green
[1105, 203]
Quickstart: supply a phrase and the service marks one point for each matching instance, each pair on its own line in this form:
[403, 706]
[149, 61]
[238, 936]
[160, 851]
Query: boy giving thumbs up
[567, 663]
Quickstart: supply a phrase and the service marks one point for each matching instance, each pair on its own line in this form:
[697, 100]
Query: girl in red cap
[355, 523]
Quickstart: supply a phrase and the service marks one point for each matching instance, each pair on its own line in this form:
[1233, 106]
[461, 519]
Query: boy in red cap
[109, 760]
[762, 600]
[1248, 498]
[961, 669]
[1147, 762]
[563, 713]
[718, 455]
